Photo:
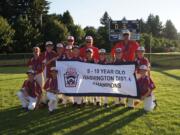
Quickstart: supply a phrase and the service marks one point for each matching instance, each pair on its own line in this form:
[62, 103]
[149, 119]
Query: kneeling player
[146, 87]
[30, 92]
[51, 86]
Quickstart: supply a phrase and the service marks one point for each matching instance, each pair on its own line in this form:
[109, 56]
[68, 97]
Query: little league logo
[71, 77]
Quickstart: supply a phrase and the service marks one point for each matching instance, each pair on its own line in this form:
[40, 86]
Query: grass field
[90, 120]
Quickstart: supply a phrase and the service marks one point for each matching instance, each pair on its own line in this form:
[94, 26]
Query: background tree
[54, 30]
[105, 19]
[26, 35]
[77, 32]
[169, 30]
[103, 32]
[154, 25]
[67, 19]
[6, 34]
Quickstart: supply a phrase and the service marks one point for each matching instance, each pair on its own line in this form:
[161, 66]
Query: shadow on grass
[67, 121]
[167, 74]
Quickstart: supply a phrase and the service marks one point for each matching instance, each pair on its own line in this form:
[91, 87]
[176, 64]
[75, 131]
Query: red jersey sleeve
[24, 84]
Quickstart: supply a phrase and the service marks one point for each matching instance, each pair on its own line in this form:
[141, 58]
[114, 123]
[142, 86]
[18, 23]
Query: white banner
[87, 79]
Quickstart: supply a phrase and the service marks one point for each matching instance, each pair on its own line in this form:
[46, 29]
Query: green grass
[91, 120]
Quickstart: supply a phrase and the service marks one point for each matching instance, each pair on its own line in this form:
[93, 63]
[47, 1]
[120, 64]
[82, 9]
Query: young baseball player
[70, 41]
[141, 60]
[36, 64]
[30, 92]
[117, 61]
[51, 87]
[60, 52]
[76, 57]
[68, 53]
[102, 60]
[89, 56]
[146, 89]
[46, 58]
[90, 59]
[76, 53]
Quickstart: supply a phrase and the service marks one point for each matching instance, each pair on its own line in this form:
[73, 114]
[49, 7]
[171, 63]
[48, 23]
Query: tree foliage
[6, 33]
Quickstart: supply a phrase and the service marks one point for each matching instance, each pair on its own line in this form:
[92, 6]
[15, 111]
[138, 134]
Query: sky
[89, 12]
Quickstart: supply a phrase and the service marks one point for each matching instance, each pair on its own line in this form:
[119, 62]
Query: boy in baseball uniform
[30, 92]
[146, 89]
[51, 87]
[118, 60]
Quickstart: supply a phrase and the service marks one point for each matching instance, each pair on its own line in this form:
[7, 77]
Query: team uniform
[60, 52]
[77, 99]
[67, 57]
[46, 57]
[29, 94]
[91, 60]
[95, 50]
[70, 41]
[146, 85]
[102, 60]
[90, 45]
[128, 50]
[117, 99]
[141, 60]
[51, 87]
[37, 65]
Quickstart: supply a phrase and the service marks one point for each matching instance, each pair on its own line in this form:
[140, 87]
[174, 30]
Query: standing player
[76, 53]
[46, 57]
[103, 61]
[89, 59]
[51, 87]
[36, 65]
[129, 48]
[118, 60]
[70, 41]
[60, 53]
[118, 57]
[76, 57]
[89, 44]
[146, 88]
[30, 92]
[89, 56]
[68, 54]
[141, 60]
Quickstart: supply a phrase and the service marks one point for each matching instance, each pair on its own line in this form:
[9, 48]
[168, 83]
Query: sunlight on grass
[91, 120]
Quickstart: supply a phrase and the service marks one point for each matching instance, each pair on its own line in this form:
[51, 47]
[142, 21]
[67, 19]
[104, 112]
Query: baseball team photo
[89, 67]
